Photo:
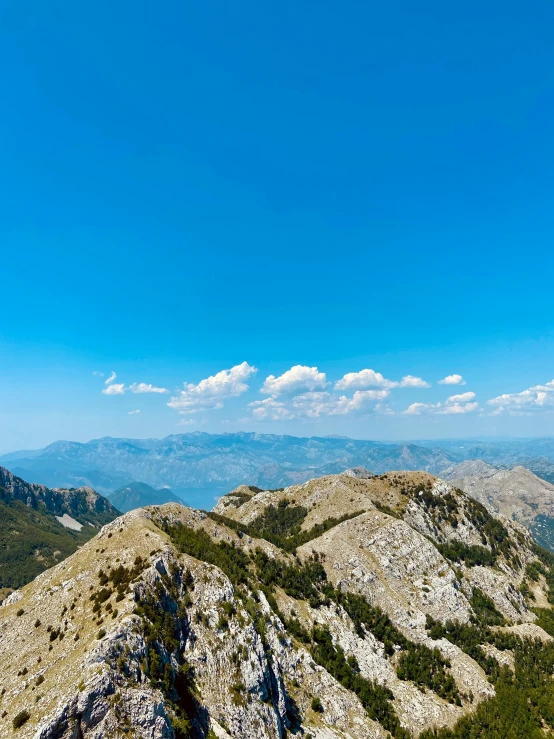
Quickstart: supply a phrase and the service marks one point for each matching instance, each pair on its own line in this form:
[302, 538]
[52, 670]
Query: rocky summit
[347, 607]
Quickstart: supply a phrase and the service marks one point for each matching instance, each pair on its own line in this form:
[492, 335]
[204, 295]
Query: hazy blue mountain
[139, 495]
[497, 452]
[215, 463]
[200, 466]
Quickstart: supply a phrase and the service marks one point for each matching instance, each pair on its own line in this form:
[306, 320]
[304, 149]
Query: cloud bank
[305, 392]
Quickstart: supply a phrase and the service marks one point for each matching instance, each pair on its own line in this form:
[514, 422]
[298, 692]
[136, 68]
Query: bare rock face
[175, 623]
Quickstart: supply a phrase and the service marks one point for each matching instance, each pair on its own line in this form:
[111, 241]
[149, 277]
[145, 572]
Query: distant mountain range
[536, 455]
[39, 526]
[200, 467]
[139, 495]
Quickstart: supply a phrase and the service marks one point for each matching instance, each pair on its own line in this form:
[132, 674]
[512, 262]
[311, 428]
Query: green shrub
[281, 524]
[199, 544]
[375, 698]
[523, 707]
[317, 705]
[21, 718]
[471, 556]
[485, 609]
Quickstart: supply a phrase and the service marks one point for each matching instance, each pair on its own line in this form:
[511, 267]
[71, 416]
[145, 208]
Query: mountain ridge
[39, 525]
[216, 461]
[200, 467]
[341, 607]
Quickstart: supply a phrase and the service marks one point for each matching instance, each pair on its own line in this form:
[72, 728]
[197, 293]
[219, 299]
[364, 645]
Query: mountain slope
[39, 526]
[140, 495]
[468, 468]
[517, 494]
[342, 608]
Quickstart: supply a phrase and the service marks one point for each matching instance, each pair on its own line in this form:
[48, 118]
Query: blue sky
[188, 187]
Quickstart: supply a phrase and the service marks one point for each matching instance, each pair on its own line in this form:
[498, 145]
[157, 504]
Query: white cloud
[452, 380]
[114, 389]
[98, 374]
[411, 381]
[316, 404]
[270, 409]
[437, 409]
[313, 404]
[209, 393]
[133, 413]
[459, 408]
[418, 409]
[383, 410]
[143, 387]
[111, 378]
[461, 398]
[361, 401]
[369, 378]
[364, 378]
[186, 422]
[533, 399]
[297, 379]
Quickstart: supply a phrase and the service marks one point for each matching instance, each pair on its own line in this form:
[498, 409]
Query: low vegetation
[281, 525]
[524, 702]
